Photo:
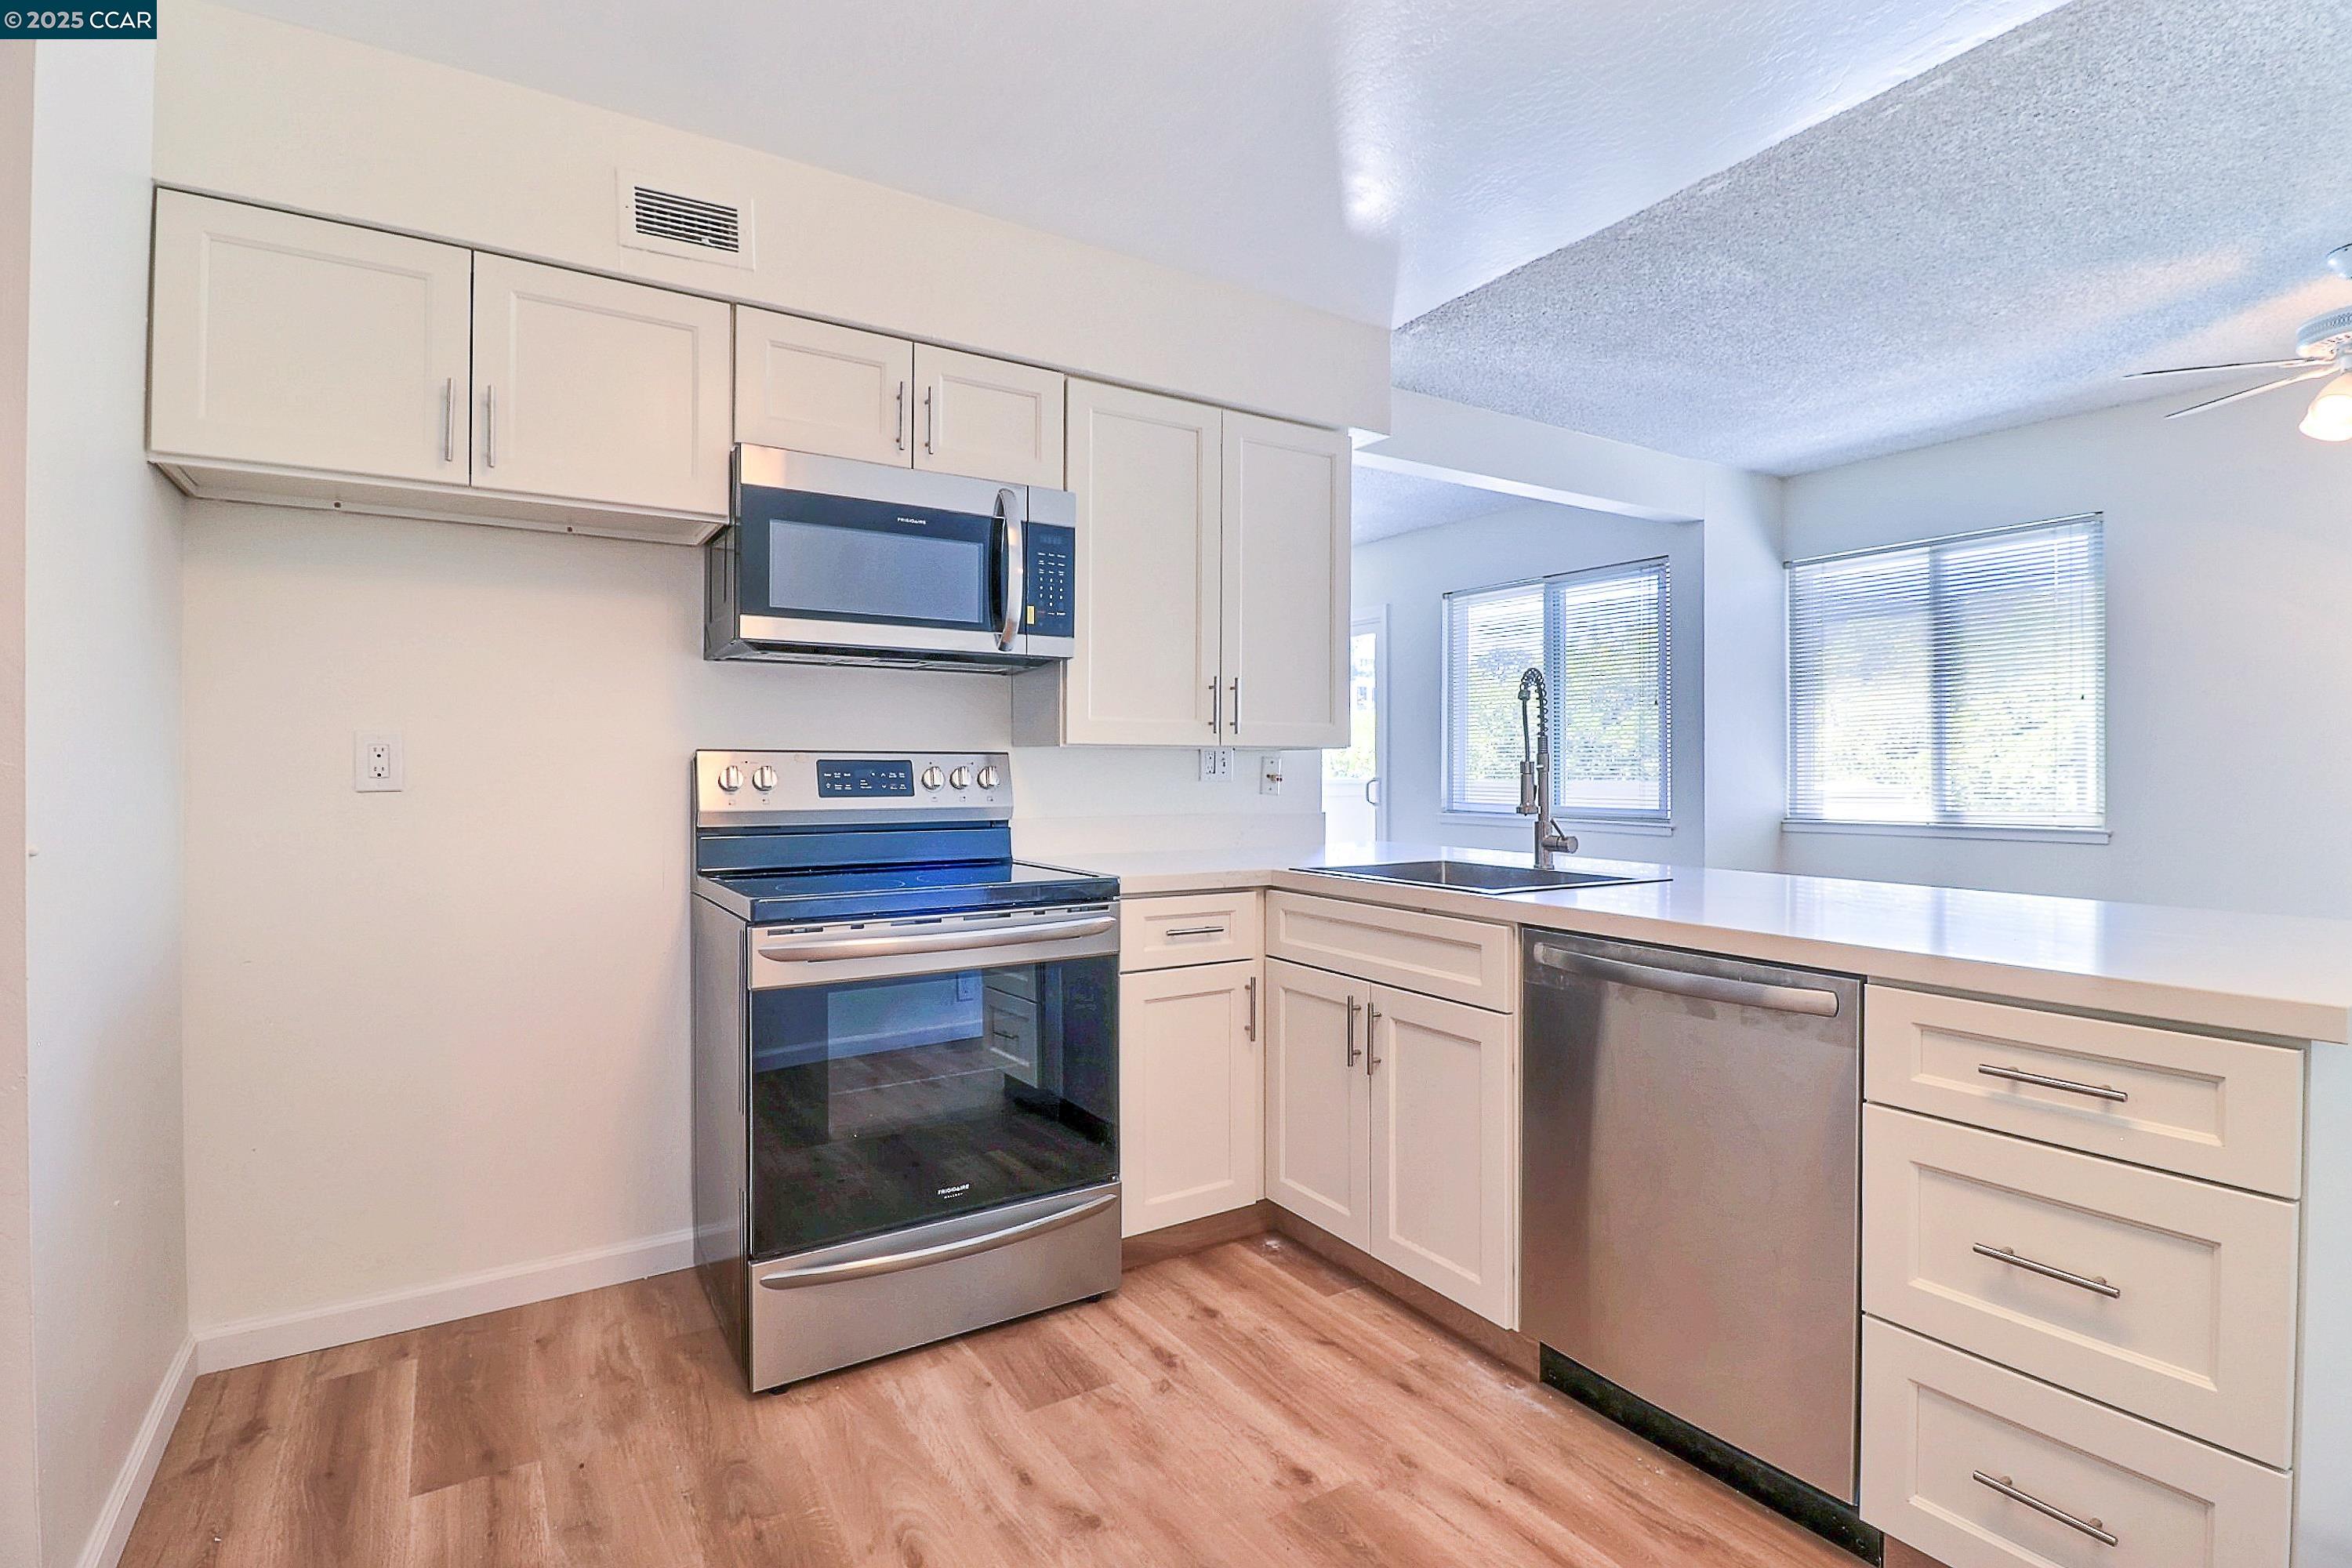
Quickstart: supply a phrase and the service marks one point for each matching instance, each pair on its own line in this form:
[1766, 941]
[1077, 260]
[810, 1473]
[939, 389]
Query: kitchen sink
[1481, 876]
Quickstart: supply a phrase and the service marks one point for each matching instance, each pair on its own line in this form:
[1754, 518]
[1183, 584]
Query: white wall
[102, 799]
[292, 118]
[2228, 545]
[1744, 702]
[19, 1510]
[444, 1032]
[1410, 573]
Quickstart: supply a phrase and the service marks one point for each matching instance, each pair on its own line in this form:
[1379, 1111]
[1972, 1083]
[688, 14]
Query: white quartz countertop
[2270, 974]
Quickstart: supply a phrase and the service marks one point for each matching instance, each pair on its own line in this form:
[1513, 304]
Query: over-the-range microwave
[830, 560]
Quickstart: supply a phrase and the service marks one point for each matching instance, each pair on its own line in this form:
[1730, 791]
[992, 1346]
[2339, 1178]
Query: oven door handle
[1008, 519]
[940, 941]
[946, 1251]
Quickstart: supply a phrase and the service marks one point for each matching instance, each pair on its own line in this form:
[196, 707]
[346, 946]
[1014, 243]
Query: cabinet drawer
[1462, 961]
[2226, 1110]
[2181, 1305]
[1162, 932]
[1933, 1420]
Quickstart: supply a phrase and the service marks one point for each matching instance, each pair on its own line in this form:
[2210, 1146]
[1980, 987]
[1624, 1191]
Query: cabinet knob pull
[2019, 1075]
[2094, 1283]
[1354, 1051]
[2008, 1488]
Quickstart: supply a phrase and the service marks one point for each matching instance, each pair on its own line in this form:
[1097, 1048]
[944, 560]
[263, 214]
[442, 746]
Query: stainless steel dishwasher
[1692, 1206]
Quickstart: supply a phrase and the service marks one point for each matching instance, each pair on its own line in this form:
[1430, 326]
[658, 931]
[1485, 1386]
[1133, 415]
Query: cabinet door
[988, 417]
[1286, 569]
[597, 391]
[291, 342]
[1150, 576]
[816, 387]
[1318, 1100]
[1191, 1092]
[1444, 1154]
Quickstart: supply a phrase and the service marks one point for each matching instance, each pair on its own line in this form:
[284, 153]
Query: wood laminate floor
[1245, 1405]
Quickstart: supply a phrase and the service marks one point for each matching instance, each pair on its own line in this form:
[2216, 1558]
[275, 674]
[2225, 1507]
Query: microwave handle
[1009, 565]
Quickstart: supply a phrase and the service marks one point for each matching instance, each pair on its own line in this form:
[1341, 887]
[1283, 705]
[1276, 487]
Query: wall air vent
[654, 217]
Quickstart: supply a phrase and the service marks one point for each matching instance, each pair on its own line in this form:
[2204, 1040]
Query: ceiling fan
[2323, 346]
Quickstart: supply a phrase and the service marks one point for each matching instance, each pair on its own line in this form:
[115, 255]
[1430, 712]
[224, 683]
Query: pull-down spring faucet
[1535, 771]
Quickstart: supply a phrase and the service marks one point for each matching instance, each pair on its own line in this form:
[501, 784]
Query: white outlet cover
[376, 763]
[1269, 773]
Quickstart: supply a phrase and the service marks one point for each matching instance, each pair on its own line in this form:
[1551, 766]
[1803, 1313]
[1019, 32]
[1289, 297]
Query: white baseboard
[112, 1532]
[225, 1345]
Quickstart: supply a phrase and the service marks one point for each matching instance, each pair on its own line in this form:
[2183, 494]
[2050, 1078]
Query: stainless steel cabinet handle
[2019, 1075]
[1196, 931]
[930, 422]
[1216, 705]
[1373, 792]
[2002, 1484]
[448, 419]
[937, 942]
[898, 419]
[1372, 1039]
[1249, 988]
[1237, 705]
[490, 426]
[1354, 1051]
[1681, 983]
[891, 1263]
[2094, 1283]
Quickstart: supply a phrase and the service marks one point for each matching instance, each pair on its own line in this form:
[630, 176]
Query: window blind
[1603, 640]
[1955, 683]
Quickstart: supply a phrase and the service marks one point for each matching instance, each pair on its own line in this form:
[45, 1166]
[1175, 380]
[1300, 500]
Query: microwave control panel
[1052, 572]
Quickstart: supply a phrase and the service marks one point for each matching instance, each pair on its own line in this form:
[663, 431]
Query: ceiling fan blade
[2242, 364]
[2311, 374]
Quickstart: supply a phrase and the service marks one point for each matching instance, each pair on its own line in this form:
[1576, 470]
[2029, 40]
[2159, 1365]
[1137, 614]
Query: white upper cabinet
[815, 387]
[1286, 583]
[1149, 573]
[988, 417]
[285, 342]
[591, 390]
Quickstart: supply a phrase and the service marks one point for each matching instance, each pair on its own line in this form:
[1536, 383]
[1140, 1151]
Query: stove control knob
[987, 777]
[763, 779]
[931, 777]
[959, 778]
[730, 778]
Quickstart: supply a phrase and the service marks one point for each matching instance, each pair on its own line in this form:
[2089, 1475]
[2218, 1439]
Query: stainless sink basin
[1480, 877]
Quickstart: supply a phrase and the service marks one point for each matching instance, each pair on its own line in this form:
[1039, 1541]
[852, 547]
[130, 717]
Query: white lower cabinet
[1192, 1081]
[1981, 1467]
[1390, 1122]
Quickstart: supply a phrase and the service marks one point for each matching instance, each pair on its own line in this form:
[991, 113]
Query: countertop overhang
[2280, 976]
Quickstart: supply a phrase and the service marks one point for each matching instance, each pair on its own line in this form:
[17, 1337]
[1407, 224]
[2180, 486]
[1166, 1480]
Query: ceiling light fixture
[2330, 419]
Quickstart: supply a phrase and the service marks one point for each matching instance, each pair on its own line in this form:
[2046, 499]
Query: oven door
[868, 558]
[908, 1071]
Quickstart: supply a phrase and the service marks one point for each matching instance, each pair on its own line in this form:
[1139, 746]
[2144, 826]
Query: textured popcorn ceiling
[1372, 157]
[2117, 186]
[1386, 503]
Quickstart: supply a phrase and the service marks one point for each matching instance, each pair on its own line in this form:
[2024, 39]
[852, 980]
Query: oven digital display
[844, 776]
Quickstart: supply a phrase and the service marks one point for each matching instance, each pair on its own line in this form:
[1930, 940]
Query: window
[1601, 639]
[1960, 683]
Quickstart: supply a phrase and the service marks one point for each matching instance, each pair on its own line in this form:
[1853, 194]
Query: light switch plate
[376, 763]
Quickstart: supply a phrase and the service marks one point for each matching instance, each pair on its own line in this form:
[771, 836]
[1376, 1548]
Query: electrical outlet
[1216, 763]
[377, 762]
[1270, 774]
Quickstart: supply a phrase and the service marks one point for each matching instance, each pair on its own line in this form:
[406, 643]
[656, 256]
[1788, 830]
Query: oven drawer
[1461, 960]
[2227, 1110]
[2169, 1298]
[1167, 931]
[1934, 1420]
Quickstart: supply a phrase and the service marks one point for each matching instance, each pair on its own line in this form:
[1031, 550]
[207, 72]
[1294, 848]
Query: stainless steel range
[905, 1049]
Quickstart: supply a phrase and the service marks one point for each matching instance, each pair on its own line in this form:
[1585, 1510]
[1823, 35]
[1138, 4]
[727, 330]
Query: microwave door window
[820, 557]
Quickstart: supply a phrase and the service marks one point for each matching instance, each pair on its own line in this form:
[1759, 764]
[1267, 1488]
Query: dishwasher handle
[1806, 999]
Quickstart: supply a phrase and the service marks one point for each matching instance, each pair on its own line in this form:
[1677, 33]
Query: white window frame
[1959, 829]
[1657, 820]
